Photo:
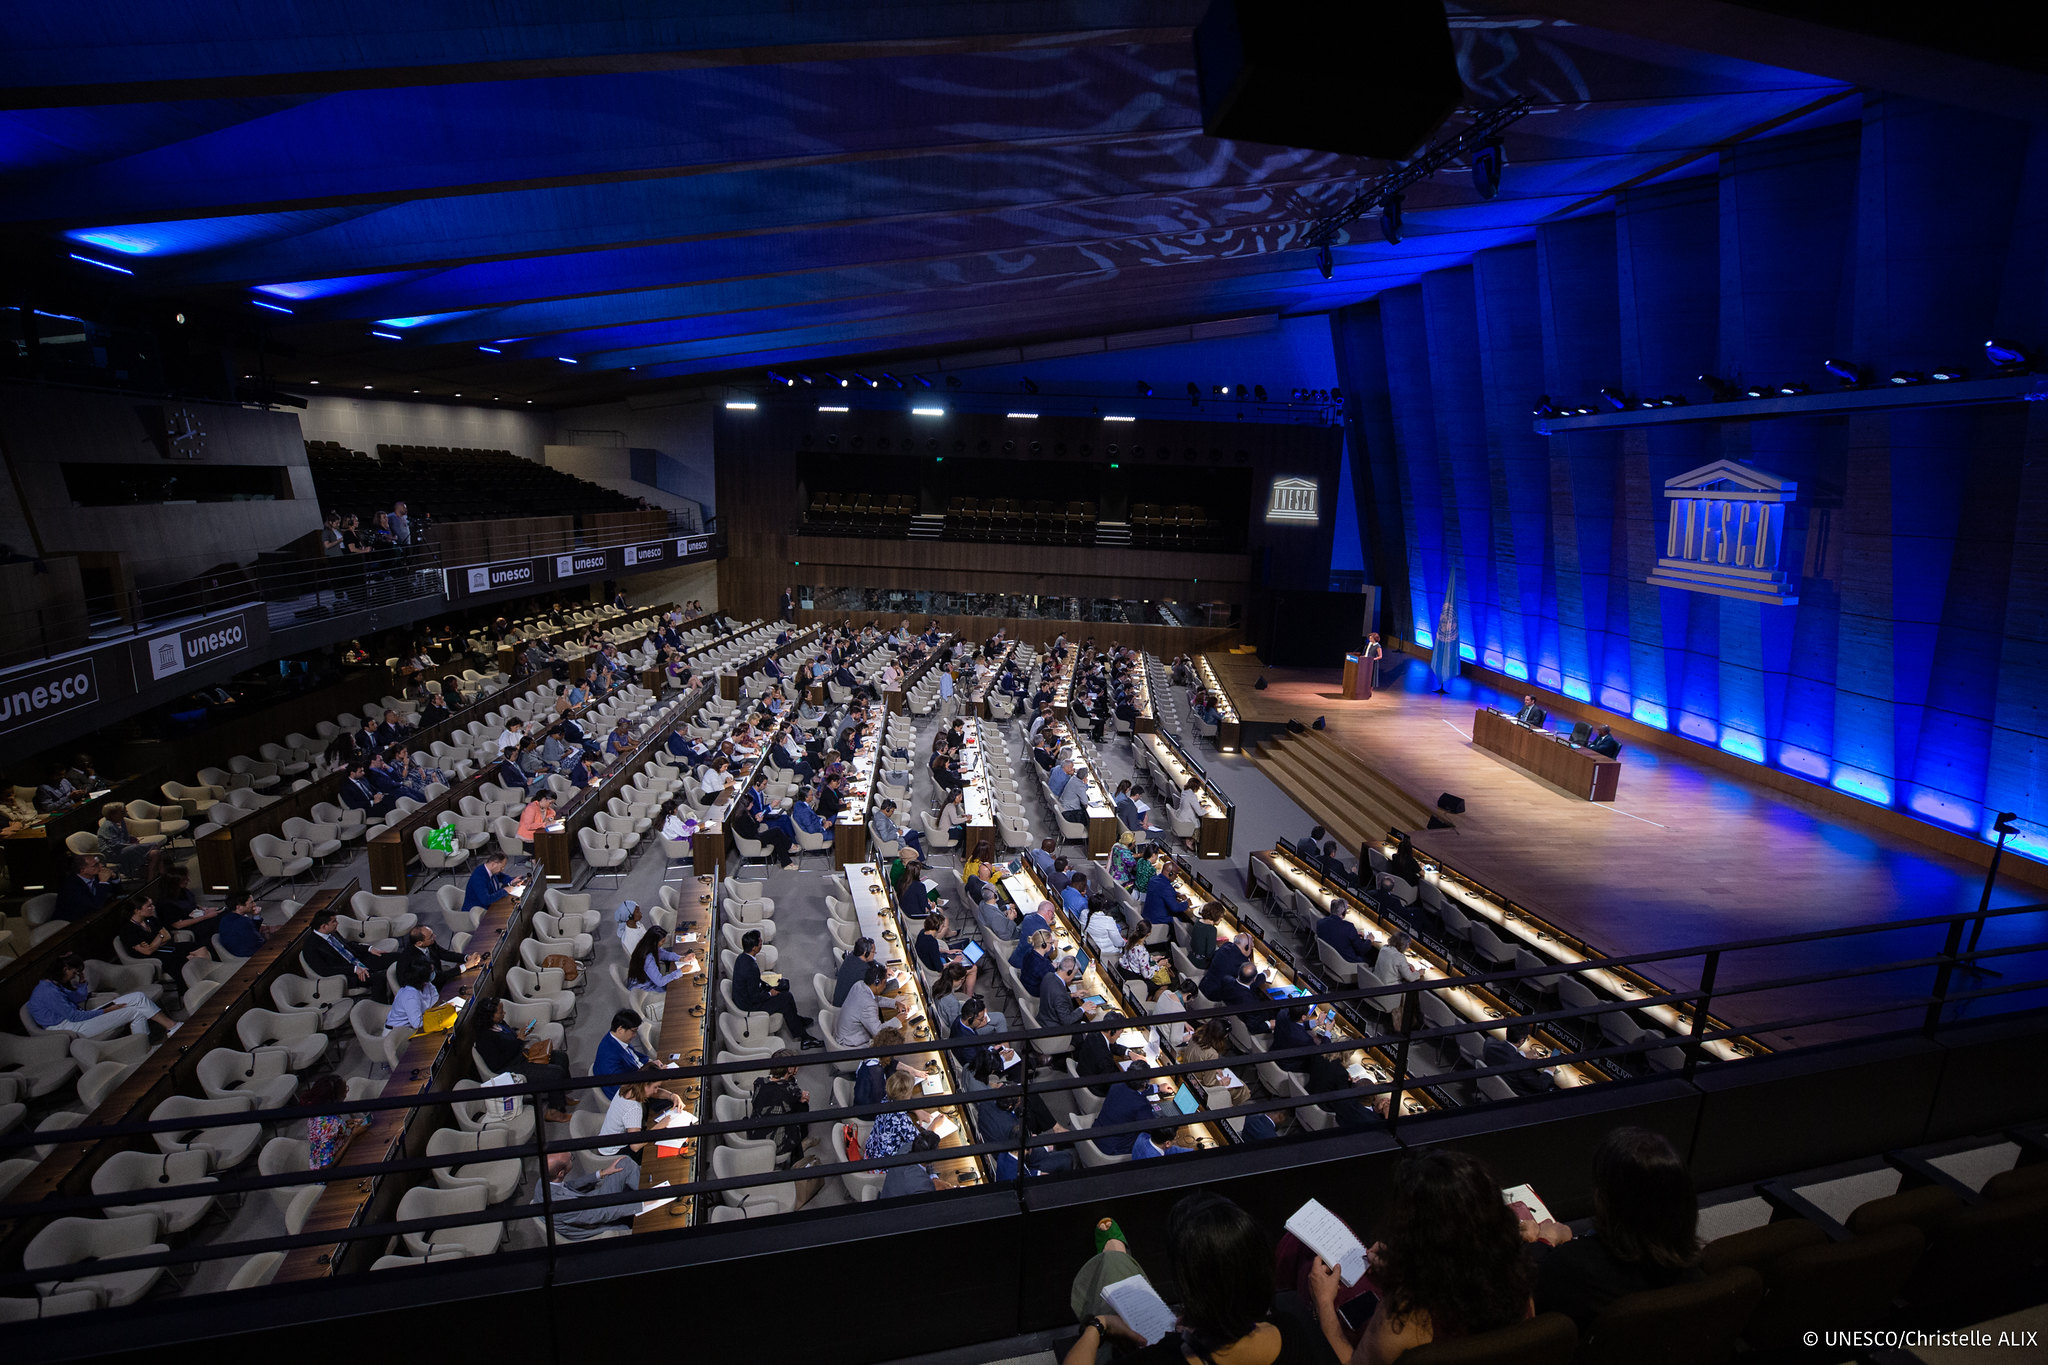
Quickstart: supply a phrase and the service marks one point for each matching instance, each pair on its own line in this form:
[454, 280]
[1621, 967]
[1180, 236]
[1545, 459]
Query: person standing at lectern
[1531, 714]
[1604, 742]
[1369, 665]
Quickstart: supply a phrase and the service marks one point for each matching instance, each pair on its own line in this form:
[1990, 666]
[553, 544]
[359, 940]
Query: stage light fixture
[1719, 390]
[1647, 403]
[832, 407]
[381, 336]
[1674, 400]
[1488, 160]
[1194, 391]
[1219, 390]
[1794, 389]
[1614, 398]
[1908, 377]
[1753, 391]
[2007, 357]
[1948, 376]
[1243, 392]
[1259, 392]
[891, 380]
[1336, 394]
[490, 350]
[740, 405]
[1545, 408]
[1326, 261]
[1390, 220]
[782, 379]
[1849, 372]
[923, 381]
[865, 380]
[1144, 389]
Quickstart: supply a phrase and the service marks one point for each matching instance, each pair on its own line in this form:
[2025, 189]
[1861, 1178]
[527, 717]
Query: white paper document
[1141, 1308]
[650, 1205]
[1526, 1196]
[1324, 1233]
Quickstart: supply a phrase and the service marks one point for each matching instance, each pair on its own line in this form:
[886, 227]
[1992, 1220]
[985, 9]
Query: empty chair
[262, 1075]
[498, 1177]
[131, 1171]
[66, 1241]
[600, 853]
[313, 840]
[296, 1033]
[227, 1146]
[276, 858]
[425, 1201]
[40, 1064]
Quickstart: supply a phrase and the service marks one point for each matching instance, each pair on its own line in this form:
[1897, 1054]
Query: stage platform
[1684, 855]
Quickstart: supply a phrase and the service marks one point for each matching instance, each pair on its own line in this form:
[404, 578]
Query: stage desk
[1583, 773]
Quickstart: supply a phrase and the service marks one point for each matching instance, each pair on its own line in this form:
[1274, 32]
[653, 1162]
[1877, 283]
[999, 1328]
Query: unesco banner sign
[652, 555]
[37, 694]
[188, 647]
[478, 580]
[582, 564]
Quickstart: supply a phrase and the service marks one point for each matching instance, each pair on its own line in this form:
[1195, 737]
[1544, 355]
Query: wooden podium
[1358, 675]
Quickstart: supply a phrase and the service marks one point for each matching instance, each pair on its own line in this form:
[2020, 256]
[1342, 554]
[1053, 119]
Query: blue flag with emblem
[1445, 659]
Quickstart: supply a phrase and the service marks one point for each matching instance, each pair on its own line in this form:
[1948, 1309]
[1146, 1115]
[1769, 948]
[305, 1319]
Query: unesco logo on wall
[31, 697]
[491, 577]
[642, 555]
[569, 566]
[1293, 501]
[174, 653]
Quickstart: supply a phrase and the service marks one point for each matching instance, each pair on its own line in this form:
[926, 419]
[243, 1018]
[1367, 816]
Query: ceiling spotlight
[1336, 395]
[1752, 391]
[1258, 392]
[891, 380]
[1243, 392]
[923, 382]
[873, 384]
[1545, 408]
[1848, 371]
[1718, 390]
[782, 379]
[1908, 377]
[1647, 403]
[1794, 389]
[1028, 384]
[1144, 389]
[805, 378]
[1390, 220]
[1326, 261]
[1673, 400]
[1219, 390]
[1488, 159]
[1614, 398]
[2007, 357]
[833, 379]
[1948, 376]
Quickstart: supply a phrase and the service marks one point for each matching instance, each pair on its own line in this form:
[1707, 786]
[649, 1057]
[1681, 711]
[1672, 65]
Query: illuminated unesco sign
[1293, 500]
[1726, 534]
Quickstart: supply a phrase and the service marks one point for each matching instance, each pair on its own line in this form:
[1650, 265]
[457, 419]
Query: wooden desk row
[685, 1016]
[1230, 728]
[1474, 1003]
[1024, 889]
[170, 1069]
[874, 906]
[897, 701]
[1103, 826]
[977, 700]
[1366, 1061]
[1217, 828]
[433, 1063]
[555, 846]
[1583, 773]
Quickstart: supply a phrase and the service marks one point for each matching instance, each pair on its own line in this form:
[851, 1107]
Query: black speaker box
[1294, 727]
[1259, 686]
[1451, 805]
[1318, 725]
[1334, 75]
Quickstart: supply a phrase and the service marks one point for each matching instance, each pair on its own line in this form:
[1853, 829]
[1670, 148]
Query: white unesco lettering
[517, 573]
[213, 642]
[26, 704]
[1293, 500]
[590, 563]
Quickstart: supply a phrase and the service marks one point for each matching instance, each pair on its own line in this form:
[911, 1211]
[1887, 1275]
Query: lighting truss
[1485, 126]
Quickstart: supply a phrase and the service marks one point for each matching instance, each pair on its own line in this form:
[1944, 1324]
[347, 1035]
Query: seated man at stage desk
[1604, 742]
[1531, 714]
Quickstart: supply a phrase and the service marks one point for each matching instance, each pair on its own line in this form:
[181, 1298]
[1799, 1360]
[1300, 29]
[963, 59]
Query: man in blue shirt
[1060, 777]
[1042, 857]
[803, 817]
[617, 1052]
[1163, 904]
[487, 883]
[1074, 896]
[1041, 918]
[241, 925]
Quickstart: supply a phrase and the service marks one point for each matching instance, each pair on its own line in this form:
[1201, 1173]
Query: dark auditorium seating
[451, 484]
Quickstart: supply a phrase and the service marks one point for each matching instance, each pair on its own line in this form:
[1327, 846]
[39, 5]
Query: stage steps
[1351, 800]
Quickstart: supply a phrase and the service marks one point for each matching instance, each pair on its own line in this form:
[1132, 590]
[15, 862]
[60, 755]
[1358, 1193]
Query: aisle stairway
[1354, 801]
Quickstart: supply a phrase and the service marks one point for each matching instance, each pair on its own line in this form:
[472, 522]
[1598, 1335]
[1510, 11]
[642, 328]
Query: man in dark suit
[788, 608]
[750, 992]
[443, 964]
[90, 886]
[1508, 1051]
[1291, 1032]
[1227, 963]
[358, 794]
[1604, 742]
[1342, 936]
[329, 954]
[1531, 714]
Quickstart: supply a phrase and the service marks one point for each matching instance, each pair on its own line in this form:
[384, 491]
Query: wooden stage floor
[1686, 856]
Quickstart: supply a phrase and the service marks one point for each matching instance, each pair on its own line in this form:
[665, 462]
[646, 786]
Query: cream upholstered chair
[296, 1033]
[65, 1241]
[498, 1177]
[128, 1171]
[600, 851]
[729, 1161]
[425, 1201]
[264, 1075]
[276, 858]
[434, 859]
[228, 1147]
[41, 1064]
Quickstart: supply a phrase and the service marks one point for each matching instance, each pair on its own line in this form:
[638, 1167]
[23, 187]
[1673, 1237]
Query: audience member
[503, 1049]
[1645, 1230]
[565, 1187]
[58, 1002]
[618, 1052]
